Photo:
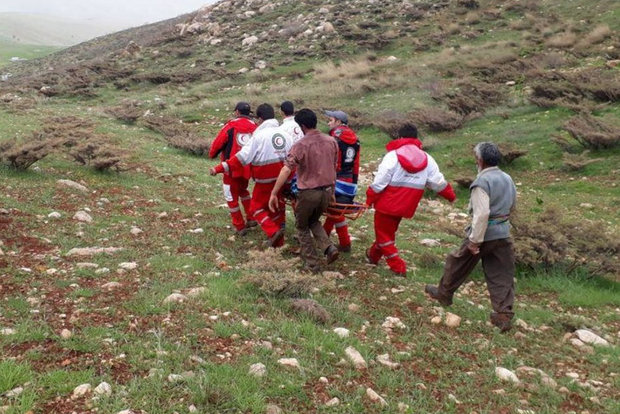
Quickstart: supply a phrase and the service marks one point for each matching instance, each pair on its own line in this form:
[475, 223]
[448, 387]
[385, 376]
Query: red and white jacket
[265, 153]
[231, 138]
[403, 175]
[293, 128]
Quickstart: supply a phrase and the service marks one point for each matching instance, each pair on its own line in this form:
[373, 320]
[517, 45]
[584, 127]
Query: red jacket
[231, 138]
[403, 175]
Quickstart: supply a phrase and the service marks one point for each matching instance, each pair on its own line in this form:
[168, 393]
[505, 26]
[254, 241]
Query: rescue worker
[231, 138]
[399, 184]
[346, 175]
[288, 121]
[264, 154]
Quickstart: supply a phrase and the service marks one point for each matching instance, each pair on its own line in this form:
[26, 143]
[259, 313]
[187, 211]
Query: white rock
[430, 242]
[103, 389]
[355, 357]
[506, 375]
[7, 331]
[324, 380]
[197, 231]
[261, 64]
[511, 83]
[175, 298]
[73, 184]
[135, 230]
[353, 307]
[258, 370]
[289, 362]
[384, 359]
[111, 286]
[521, 324]
[341, 332]
[128, 265]
[192, 409]
[174, 378]
[590, 338]
[82, 390]
[15, 392]
[392, 322]
[273, 409]
[54, 215]
[66, 334]
[323, 10]
[436, 320]
[83, 216]
[452, 320]
[102, 271]
[402, 407]
[249, 41]
[91, 251]
[125, 412]
[453, 398]
[196, 292]
[392, 59]
[374, 397]
[334, 402]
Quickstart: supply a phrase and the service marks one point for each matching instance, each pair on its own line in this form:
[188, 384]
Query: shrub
[562, 40]
[311, 308]
[189, 142]
[510, 152]
[576, 162]
[98, 154]
[472, 96]
[438, 120]
[592, 133]
[22, 156]
[127, 112]
[597, 35]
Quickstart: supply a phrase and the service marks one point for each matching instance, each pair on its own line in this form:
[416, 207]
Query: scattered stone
[111, 286]
[54, 215]
[341, 332]
[83, 216]
[430, 242]
[506, 375]
[102, 271]
[128, 265]
[135, 230]
[544, 378]
[436, 320]
[175, 378]
[289, 362]
[197, 231]
[311, 308]
[196, 292]
[355, 357]
[375, 398]
[384, 359]
[402, 407]
[452, 320]
[392, 322]
[7, 331]
[354, 307]
[451, 397]
[588, 206]
[175, 298]
[249, 41]
[91, 251]
[66, 334]
[590, 338]
[273, 409]
[73, 184]
[125, 412]
[14, 393]
[334, 402]
[192, 409]
[258, 370]
[82, 390]
[521, 324]
[324, 380]
[103, 389]
[511, 83]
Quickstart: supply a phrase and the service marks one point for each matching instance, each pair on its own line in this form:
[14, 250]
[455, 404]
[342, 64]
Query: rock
[175, 298]
[66, 334]
[510, 83]
[83, 216]
[375, 398]
[258, 370]
[192, 409]
[393, 322]
[452, 320]
[355, 357]
[451, 397]
[15, 392]
[506, 375]
[289, 362]
[334, 402]
[341, 332]
[261, 64]
[590, 338]
[311, 308]
[430, 242]
[249, 41]
[135, 230]
[521, 324]
[588, 206]
[91, 251]
[54, 215]
[402, 407]
[82, 390]
[384, 360]
[7, 331]
[544, 378]
[436, 320]
[273, 409]
[125, 412]
[111, 286]
[175, 378]
[128, 265]
[323, 380]
[328, 27]
[103, 389]
[73, 184]
[354, 307]
[323, 10]
[196, 292]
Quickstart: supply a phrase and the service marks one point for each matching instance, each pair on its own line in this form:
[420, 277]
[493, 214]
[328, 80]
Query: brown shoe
[274, 240]
[331, 254]
[344, 249]
[501, 321]
[433, 292]
[251, 223]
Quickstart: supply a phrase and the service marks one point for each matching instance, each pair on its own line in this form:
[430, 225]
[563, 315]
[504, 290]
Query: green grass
[9, 49]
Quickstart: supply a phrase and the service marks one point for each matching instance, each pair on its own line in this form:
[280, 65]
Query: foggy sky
[118, 12]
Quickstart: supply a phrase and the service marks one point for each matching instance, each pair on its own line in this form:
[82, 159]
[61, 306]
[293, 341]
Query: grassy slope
[9, 49]
[120, 337]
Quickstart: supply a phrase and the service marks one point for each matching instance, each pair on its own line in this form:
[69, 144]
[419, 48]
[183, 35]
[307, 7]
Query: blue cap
[340, 115]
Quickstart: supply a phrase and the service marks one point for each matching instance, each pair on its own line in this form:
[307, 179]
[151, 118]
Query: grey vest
[502, 196]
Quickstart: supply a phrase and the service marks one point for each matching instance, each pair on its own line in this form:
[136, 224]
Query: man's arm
[219, 142]
[285, 172]
[382, 178]
[436, 181]
[480, 218]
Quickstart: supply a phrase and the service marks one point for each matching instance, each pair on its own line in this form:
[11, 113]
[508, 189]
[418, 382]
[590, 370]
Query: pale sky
[122, 12]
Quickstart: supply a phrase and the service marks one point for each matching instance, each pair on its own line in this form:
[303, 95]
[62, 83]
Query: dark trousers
[498, 263]
[310, 206]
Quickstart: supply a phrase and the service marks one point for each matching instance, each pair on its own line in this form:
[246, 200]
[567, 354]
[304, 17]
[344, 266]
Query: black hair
[489, 153]
[306, 118]
[408, 130]
[287, 108]
[265, 112]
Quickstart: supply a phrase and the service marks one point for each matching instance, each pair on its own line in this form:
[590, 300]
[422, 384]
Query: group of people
[319, 169]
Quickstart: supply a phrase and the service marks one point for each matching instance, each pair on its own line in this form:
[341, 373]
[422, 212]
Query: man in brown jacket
[314, 158]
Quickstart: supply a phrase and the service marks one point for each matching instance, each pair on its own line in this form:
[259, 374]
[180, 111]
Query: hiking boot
[369, 258]
[315, 270]
[501, 321]
[331, 253]
[242, 232]
[344, 249]
[401, 274]
[276, 239]
[433, 292]
[251, 223]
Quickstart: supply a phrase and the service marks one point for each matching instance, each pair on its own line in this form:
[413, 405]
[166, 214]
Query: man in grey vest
[493, 198]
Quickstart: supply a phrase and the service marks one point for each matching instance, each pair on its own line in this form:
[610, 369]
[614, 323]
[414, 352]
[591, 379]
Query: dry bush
[522, 5]
[438, 120]
[469, 4]
[99, 154]
[562, 40]
[599, 84]
[311, 308]
[337, 72]
[597, 35]
[549, 240]
[67, 130]
[190, 142]
[464, 182]
[510, 152]
[576, 162]
[471, 96]
[592, 133]
[22, 156]
[274, 275]
[129, 111]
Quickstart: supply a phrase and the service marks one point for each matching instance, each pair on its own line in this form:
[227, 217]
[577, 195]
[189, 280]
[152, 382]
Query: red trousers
[385, 242]
[269, 221]
[342, 229]
[236, 189]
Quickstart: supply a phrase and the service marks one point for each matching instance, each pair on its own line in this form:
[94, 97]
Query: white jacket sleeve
[385, 172]
[247, 153]
[435, 179]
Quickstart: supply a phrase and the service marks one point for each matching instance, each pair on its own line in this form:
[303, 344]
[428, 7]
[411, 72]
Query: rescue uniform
[231, 138]
[346, 180]
[264, 154]
[403, 175]
[292, 128]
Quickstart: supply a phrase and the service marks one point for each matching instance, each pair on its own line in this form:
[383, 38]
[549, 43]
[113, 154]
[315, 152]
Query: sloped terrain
[129, 275]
